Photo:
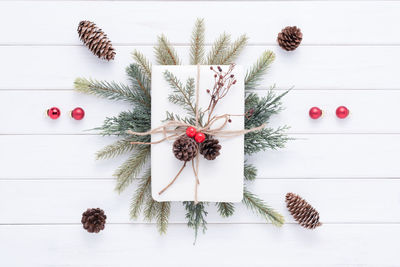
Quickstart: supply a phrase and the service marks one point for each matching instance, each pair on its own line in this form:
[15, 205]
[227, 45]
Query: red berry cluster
[198, 137]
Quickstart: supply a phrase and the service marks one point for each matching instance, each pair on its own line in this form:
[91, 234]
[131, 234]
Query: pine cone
[290, 38]
[93, 220]
[210, 148]
[185, 148]
[96, 40]
[302, 212]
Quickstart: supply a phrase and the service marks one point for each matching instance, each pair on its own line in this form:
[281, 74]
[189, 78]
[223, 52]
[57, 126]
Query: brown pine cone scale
[94, 220]
[210, 148]
[96, 40]
[290, 38]
[185, 148]
[302, 212]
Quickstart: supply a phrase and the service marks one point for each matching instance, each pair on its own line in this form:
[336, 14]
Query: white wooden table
[348, 169]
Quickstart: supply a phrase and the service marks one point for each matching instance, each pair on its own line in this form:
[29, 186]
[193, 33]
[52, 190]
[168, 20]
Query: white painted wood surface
[348, 169]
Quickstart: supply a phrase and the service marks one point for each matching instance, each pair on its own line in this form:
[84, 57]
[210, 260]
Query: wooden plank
[329, 22]
[223, 245]
[320, 67]
[338, 201]
[309, 156]
[364, 105]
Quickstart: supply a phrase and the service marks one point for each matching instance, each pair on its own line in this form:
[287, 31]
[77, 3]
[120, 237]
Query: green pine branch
[197, 43]
[225, 209]
[253, 76]
[258, 206]
[131, 168]
[142, 193]
[196, 216]
[137, 120]
[218, 49]
[140, 83]
[228, 56]
[115, 149]
[250, 172]
[162, 216]
[150, 209]
[266, 138]
[165, 53]
[143, 62]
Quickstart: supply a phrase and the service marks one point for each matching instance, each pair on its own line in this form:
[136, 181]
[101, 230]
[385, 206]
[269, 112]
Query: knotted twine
[174, 129]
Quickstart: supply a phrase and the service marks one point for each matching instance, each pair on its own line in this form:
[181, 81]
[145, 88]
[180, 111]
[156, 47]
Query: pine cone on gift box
[96, 40]
[93, 220]
[185, 148]
[302, 212]
[210, 148]
[290, 38]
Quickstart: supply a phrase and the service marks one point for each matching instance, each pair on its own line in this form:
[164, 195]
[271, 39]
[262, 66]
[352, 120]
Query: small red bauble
[78, 113]
[342, 112]
[190, 131]
[315, 113]
[54, 113]
[200, 137]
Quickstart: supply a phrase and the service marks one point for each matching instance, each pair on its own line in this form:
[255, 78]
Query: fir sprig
[258, 206]
[163, 210]
[165, 53]
[115, 149]
[197, 43]
[228, 56]
[130, 169]
[142, 192]
[140, 83]
[196, 216]
[267, 138]
[144, 64]
[218, 49]
[225, 209]
[250, 171]
[137, 120]
[253, 76]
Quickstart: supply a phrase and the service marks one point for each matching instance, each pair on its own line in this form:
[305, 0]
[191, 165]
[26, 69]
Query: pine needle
[130, 169]
[165, 53]
[225, 209]
[218, 48]
[140, 83]
[182, 95]
[196, 216]
[144, 64]
[228, 56]
[142, 192]
[253, 76]
[250, 172]
[258, 206]
[118, 148]
[267, 138]
[150, 209]
[197, 43]
[162, 216]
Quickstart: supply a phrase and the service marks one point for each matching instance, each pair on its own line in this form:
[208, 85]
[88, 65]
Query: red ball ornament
[78, 113]
[190, 131]
[200, 137]
[342, 112]
[54, 113]
[315, 113]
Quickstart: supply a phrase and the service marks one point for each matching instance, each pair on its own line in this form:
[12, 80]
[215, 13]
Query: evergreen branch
[142, 192]
[266, 138]
[144, 64]
[140, 83]
[165, 53]
[196, 217]
[258, 206]
[253, 76]
[115, 149]
[162, 216]
[182, 95]
[225, 209]
[150, 209]
[250, 172]
[228, 56]
[218, 48]
[197, 43]
[109, 90]
[131, 168]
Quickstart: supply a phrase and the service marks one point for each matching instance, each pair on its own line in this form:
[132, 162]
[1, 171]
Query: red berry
[200, 137]
[315, 113]
[78, 113]
[190, 131]
[342, 112]
[54, 113]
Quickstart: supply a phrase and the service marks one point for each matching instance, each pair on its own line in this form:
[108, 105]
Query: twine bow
[174, 129]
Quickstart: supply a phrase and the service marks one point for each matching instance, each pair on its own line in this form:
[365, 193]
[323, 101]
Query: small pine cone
[210, 148]
[290, 38]
[93, 220]
[96, 40]
[185, 148]
[302, 212]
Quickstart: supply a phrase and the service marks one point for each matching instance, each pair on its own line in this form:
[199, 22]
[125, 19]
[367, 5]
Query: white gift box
[221, 180]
